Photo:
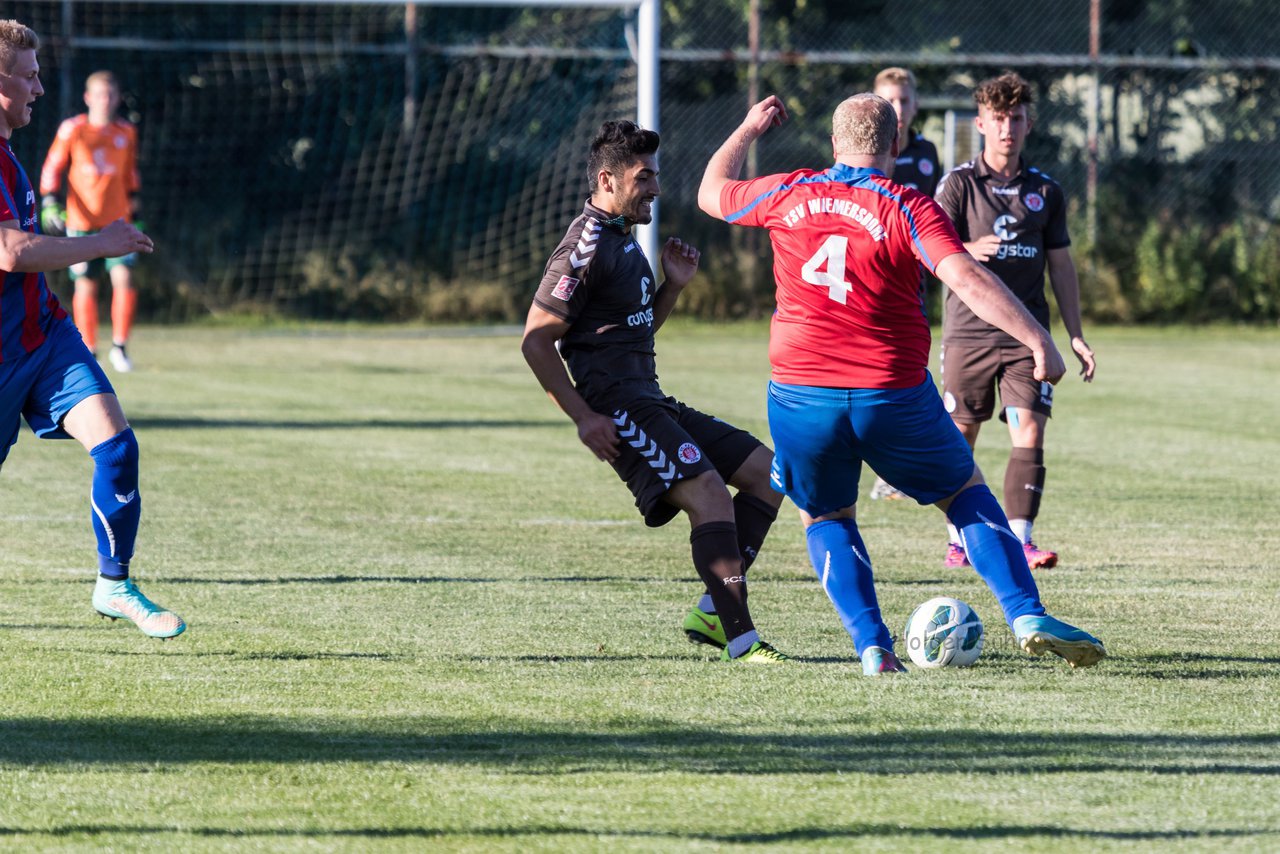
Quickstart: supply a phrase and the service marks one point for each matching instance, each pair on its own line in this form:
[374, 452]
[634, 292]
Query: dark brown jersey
[917, 166]
[1029, 215]
[599, 281]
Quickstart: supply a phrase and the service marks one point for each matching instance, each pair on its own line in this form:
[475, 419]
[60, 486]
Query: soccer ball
[943, 632]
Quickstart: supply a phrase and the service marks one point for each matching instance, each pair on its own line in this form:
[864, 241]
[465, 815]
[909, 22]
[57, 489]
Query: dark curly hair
[1002, 94]
[617, 145]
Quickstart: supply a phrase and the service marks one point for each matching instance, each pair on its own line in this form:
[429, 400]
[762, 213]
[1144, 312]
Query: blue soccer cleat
[877, 660]
[123, 600]
[1040, 634]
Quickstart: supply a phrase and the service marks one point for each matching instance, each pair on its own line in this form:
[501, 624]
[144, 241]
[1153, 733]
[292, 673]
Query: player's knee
[752, 477]
[705, 496]
[120, 452]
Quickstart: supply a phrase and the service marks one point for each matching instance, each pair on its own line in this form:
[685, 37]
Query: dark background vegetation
[321, 162]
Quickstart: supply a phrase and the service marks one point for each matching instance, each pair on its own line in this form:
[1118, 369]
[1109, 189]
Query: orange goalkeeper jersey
[101, 164]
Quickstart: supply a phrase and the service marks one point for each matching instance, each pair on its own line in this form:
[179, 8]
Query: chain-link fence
[420, 162]
[1159, 119]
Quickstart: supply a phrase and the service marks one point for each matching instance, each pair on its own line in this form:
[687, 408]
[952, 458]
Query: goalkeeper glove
[53, 216]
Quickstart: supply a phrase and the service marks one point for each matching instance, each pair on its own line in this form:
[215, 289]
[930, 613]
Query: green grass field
[423, 616]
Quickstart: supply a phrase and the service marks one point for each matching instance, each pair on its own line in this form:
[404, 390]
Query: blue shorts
[45, 384]
[822, 436]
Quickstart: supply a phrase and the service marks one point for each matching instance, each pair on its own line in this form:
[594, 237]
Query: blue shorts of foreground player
[46, 384]
[822, 436]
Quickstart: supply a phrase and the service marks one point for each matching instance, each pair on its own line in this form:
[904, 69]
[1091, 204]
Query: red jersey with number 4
[847, 248]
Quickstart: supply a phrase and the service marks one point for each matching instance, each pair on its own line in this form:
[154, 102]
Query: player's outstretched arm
[24, 252]
[726, 164]
[542, 330]
[679, 264]
[1066, 289]
[988, 297]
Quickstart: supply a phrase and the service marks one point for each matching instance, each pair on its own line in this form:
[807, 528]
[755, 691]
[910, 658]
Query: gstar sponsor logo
[565, 287]
[1016, 250]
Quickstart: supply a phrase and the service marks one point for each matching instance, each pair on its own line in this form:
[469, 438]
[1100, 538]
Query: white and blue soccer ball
[943, 632]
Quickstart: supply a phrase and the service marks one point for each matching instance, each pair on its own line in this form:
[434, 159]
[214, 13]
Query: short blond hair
[101, 77]
[864, 124]
[896, 76]
[14, 37]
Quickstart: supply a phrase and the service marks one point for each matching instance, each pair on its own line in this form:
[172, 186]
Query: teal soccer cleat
[123, 600]
[877, 660]
[1038, 635]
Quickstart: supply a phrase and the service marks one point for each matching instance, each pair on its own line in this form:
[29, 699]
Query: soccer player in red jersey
[1013, 218]
[47, 375]
[849, 345]
[98, 153]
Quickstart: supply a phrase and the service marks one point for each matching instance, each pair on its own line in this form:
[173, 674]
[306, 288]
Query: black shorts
[664, 441]
[970, 374]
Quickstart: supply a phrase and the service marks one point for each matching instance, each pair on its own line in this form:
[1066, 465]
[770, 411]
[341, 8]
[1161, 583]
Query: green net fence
[402, 162]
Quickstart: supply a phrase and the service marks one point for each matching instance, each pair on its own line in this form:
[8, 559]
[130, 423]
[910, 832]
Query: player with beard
[600, 306]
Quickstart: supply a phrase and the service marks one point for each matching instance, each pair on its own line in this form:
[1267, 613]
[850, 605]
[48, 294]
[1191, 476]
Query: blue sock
[841, 561]
[117, 507]
[995, 552]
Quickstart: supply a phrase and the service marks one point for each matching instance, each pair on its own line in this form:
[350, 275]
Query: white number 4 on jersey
[831, 255]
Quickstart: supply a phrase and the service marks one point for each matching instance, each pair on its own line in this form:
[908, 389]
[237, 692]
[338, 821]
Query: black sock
[719, 565]
[753, 517]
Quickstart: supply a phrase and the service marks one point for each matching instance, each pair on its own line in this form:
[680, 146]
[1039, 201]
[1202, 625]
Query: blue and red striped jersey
[27, 306]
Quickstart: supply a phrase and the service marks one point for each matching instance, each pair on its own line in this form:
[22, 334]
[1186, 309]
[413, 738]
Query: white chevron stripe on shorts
[630, 432]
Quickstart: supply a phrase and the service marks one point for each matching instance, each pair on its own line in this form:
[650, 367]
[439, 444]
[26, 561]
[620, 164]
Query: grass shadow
[162, 422]
[638, 747]
[850, 833]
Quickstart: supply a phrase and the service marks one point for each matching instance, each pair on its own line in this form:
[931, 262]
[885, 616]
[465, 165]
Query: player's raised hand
[120, 239]
[984, 247]
[1087, 363]
[600, 434]
[769, 113]
[679, 261]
